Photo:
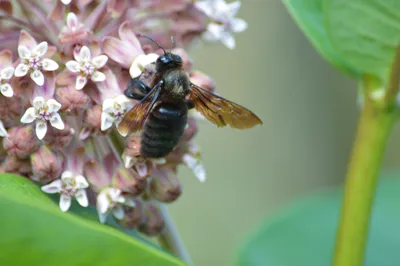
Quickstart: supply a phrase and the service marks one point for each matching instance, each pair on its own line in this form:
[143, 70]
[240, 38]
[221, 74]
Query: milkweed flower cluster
[64, 67]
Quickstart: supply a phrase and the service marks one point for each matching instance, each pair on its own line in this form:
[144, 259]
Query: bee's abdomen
[163, 129]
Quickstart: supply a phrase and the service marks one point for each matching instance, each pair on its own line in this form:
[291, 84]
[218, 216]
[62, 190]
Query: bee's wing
[133, 120]
[221, 111]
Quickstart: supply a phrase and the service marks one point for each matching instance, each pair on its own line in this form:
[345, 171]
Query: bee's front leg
[136, 89]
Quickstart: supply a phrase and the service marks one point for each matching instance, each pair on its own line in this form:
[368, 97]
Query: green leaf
[33, 231]
[304, 233]
[308, 15]
[364, 32]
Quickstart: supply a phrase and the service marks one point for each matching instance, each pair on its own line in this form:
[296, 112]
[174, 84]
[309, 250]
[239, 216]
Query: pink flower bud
[46, 166]
[165, 185]
[21, 142]
[132, 147]
[134, 216]
[153, 224]
[91, 122]
[202, 80]
[71, 99]
[129, 181]
[58, 139]
[96, 174]
[10, 110]
[17, 166]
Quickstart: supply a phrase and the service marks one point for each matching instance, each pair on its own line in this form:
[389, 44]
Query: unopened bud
[91, 122]
[21, 142]
[153, 224]
[132, 158]
[58, 139]
[129, 181]
[202, 80]
[96, 175]
[46, 166]
[17, 166]
[134, 216]
[71, 100]
[165, 185]
[10, 110]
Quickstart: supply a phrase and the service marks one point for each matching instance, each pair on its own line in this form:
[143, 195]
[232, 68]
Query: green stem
[373, 130]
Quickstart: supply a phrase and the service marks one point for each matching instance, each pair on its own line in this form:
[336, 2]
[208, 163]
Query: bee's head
[168, 61]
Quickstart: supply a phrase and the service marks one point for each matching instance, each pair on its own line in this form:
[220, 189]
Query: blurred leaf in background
[31, 222]
[304, 233]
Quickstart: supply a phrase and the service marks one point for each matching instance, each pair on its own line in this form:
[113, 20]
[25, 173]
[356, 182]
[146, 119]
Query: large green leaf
[33, 231]
[308, 15]
[304, 233]
[364, 32]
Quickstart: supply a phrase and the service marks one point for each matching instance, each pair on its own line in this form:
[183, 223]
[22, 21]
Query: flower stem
[372, 133]
[170, 239]
[376, 121]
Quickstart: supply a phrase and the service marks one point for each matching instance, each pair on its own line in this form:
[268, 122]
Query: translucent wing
[133, 120]
[221, 111]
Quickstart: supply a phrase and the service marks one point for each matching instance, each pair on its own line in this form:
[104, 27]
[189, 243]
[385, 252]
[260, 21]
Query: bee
[162, 111]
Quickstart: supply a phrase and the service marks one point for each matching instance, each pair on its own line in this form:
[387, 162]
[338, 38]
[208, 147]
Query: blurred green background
[309, 112]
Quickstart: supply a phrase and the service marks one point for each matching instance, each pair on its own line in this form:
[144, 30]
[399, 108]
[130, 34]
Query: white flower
[86, 67]
[110, 200]
[32, 61]
[43, 112]
[140, 164]
[223, 24]
[5, 75]
[114, 110]
[140, 62]
[66, 2]
[70, 185]
[3, 131]
[195, 164]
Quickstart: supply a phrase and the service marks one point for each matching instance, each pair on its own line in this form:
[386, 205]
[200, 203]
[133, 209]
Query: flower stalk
[375, 124]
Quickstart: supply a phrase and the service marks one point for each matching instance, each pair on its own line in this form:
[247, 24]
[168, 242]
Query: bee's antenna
[173, 43]
[147, 37]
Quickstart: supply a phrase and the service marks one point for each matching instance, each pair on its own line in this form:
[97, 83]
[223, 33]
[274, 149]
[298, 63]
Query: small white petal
[41, 129]
[38, 102]
[65, 202]
[53, 187]
[239, 25]
[80, 82]
[106, 121]
[73, 66]
[49, 65]
[65, 2]
[128, 161]
[81, 197]
[130, 203]
[53, 105]
[148, 59]
[124, 101]
[6, 73]
[118, 212]
[23, 52]
[98, 76]
[21, 70]
[195, 165]
[72, 19]
[135, 71]
[67, 175]
[232, 9]
[81, 181]
[205, 7]
[40, 49]
[6, 90]
[228, 40]
[141, 168]
[102, 202]
[37, 77]
[29, 116]
[102, 217]
[3, 131]
[108, 105]
[84, 54]
[56, 121]
[200, 172]
[99, 61]
[115, 195]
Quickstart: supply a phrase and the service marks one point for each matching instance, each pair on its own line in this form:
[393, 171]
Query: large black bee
[162, 110]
